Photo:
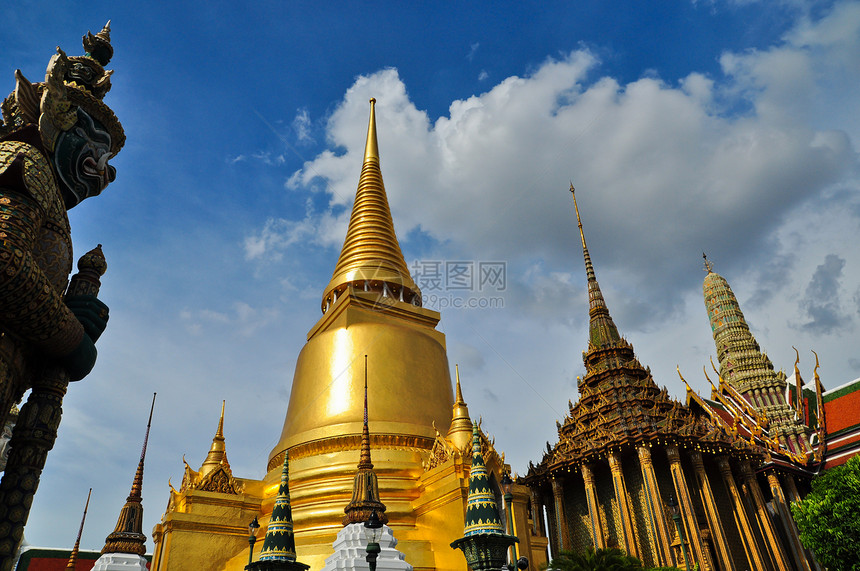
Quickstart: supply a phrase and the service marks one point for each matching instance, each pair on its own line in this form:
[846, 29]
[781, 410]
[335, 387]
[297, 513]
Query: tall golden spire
[371, 257]
[365, 487]
[602, 328]
[460, 433]
[73, 557]
[217, 451]
[127, 536]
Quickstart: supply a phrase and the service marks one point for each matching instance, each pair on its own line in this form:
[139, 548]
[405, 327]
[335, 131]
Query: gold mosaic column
[561, 520]
[656, 515]
[754, 555]
[792, 489]
[685, 503]
[788, 521]
[537, 512]
[593, 511]
[713, 515]
[765, 523]
[623, 504]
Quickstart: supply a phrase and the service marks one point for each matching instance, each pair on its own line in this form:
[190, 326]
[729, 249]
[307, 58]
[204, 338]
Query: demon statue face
[81, 159]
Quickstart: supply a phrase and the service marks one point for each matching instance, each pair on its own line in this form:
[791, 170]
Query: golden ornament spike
[459, 393]
[709, 266]
[218, 449]
[365, 462]
[371, 257]
[73, 557]
[798, 403]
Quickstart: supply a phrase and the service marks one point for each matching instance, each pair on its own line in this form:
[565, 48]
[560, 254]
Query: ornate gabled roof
[127, 536]
[365, 487]
[620, 404]
[371, 255]
[215, 474]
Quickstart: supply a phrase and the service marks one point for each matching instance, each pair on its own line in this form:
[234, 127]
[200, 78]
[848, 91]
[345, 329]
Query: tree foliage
[828, 518]
[601, 560]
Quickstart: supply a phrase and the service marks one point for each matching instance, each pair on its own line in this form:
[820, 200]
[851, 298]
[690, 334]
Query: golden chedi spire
[371, 257]
[127, 536]
[217, 452]
[365, 487]
[460, 433]
[73, 557]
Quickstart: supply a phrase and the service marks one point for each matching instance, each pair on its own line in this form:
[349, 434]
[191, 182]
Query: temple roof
[619, 401]
[371, 255]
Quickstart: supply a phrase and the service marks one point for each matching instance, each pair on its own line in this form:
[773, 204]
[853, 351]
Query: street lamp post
[252, 538]
[676, 516]
[507, 483]
[374, 532]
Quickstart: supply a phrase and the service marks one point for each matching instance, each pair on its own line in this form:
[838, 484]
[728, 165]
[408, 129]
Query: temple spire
[460, 433]
[371, 258]
[279, 546]
[218, 449]
[128, 535]
[73, 557]
[602, 329]
[365, 487]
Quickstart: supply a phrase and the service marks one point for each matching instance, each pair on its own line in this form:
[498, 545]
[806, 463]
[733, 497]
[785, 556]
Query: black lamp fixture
[507, 487]
[252, 538]
[373, 525]
[675, 510]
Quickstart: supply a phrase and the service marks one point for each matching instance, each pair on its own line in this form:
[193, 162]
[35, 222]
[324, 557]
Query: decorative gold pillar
[561, 519]
[685, 503]
[623, 505]
[656, 514]
[765, 523]
[751, 546]
[711, 512]
[593, 510]
[793, 494]
[788, 521]
[552, 530]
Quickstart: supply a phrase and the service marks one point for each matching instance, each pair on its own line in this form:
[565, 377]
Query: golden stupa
[420, 436]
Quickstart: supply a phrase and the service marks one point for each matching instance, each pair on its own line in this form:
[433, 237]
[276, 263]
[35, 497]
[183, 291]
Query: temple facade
[637, 470]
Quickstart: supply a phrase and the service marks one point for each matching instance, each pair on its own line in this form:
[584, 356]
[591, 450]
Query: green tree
[828, 518]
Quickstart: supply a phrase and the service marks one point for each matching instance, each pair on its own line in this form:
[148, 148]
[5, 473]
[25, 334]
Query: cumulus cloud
[664, 171]
[821, 300]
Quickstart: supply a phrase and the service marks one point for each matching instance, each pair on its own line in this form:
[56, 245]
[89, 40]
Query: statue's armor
[35, 262]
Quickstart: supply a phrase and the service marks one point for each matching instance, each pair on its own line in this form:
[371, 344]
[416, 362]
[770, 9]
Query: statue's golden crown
[70, 82]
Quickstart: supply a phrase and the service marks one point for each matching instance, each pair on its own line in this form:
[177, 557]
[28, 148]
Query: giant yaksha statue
[56, 138]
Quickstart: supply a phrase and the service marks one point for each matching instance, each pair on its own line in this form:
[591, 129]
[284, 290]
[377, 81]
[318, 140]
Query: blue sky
[729, 127]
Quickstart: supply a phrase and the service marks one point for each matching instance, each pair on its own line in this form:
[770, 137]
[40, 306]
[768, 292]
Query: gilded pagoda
[627, 453]
[420, 433]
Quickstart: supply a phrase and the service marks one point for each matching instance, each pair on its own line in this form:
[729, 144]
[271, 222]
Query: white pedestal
[350, 551]
[120, 562]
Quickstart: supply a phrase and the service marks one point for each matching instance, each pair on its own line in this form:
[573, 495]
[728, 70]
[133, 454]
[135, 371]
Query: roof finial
[371, 148]
[73, 557]
[217, 451]
[709, 267]
[128, 535]
[365, 487]
[459, 396]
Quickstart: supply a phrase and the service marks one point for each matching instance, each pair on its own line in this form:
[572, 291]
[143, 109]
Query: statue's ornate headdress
[70, 82]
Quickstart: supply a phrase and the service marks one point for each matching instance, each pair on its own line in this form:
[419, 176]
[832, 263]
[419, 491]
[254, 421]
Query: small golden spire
[798, 403]
[371, 257]
[365, 462]
[218, 449]
[709, 267]
[371, 147]
[73, 557]
[460, 432]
